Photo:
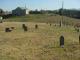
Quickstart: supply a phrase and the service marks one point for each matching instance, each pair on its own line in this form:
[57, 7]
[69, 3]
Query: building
[20, 11]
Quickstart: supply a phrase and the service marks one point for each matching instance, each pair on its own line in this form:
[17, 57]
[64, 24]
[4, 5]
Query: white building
[20, 11]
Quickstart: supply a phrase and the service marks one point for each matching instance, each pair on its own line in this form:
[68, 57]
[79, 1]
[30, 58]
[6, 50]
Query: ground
[38, 44]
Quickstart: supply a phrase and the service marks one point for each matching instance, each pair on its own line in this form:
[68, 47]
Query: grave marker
[24, 27]
[62, 41]
[8, 30]
[12, 27]
[36, 26]
[50, 24]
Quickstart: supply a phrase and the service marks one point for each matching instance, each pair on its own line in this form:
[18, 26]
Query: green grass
[38, 44]
[43, 18]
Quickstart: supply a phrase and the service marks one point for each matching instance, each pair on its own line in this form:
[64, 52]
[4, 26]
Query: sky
[8, 5]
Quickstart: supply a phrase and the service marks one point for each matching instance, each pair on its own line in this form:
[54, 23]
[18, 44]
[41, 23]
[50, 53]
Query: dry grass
[38, 44]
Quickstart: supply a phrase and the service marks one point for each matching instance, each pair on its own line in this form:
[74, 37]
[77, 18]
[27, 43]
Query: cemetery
[40, 30]
[37, 40]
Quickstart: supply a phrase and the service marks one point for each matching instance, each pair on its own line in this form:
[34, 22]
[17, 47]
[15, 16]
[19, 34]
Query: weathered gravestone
[24, 27]
[36, 26]
[50, 24]
[60, 23]
[79, 39]
[8, 30]
[12, 27]
[62, 41]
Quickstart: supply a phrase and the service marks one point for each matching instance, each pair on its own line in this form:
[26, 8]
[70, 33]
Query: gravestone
[8, 30]
[60, 23]
[12, 27]
[62, 41]
[79, 39]
[50, 24]
[36, 26]
[24, 27]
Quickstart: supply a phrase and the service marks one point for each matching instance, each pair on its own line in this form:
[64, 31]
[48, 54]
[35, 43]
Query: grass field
[50, 18]
[38, 44]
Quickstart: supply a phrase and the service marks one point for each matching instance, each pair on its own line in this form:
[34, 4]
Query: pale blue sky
[39, 4]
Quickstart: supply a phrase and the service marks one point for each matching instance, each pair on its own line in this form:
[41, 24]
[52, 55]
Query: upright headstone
[8, 30]
[60, 24]
[36, 26]
[50, 24]
[62, 41]
[79, 39]
[24, 27]
[12, 27]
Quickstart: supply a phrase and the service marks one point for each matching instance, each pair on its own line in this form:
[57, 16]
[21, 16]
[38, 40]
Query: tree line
[70, 13]
[65, 12]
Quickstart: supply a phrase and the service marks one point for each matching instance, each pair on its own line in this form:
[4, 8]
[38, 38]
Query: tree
[1, 11]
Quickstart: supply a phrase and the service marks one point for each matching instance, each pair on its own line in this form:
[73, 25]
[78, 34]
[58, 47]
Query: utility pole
[25, 4]
[62, 12]
[61, 21]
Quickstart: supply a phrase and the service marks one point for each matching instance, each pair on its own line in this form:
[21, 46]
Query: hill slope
[50, 18]
[38, 44]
